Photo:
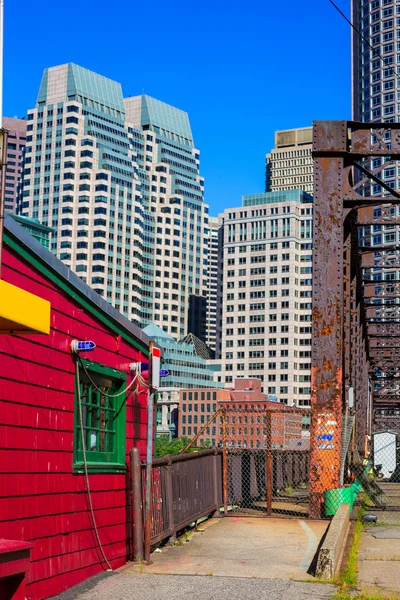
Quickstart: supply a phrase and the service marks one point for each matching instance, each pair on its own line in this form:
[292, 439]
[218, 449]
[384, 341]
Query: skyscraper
[119, 179]
[289, 165]
[213, 281]
[15, 156]
[375, 95]
[267, 284]
[174, 192]
[81, 176]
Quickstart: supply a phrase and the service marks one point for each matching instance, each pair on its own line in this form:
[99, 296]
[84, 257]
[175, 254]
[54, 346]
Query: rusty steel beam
[384, 329]
[372, 175]
[327, 383]
[384, 289]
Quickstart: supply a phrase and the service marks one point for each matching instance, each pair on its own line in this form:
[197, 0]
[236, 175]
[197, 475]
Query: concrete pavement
[242, 547]
[379, 560]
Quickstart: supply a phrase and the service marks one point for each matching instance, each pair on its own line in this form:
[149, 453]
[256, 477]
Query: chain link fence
[267, 460]
[268, 468]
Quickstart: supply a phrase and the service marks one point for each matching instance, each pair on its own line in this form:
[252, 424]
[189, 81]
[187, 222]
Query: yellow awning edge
[22, 312]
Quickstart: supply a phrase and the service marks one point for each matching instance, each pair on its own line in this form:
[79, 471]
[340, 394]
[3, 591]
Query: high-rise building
[119, 179]
[213, 281]
[15, 155]
[176, 292]
[374, 80]
[81, 177]
[289, 165]
[267, 287]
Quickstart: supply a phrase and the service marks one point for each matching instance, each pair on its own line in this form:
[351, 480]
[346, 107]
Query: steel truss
[356, 289]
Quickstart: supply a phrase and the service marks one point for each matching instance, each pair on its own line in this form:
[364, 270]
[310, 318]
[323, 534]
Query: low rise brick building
[253, 420]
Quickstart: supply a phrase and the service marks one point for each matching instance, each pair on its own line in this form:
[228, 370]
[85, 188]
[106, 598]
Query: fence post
[215, 484]
[170, 499]
[224, 463]
[137, 511]
[268, 471]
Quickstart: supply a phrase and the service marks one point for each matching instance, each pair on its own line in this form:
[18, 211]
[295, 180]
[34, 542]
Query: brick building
[248, 412]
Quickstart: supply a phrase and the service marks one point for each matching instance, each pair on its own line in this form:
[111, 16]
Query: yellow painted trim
[22, 312]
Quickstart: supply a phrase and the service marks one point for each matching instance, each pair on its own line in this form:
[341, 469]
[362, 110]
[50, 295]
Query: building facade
[176, 250]
[374, 80]
[245, 408]
[197, 406]
[213, 281]
[15, 157]
[289, 165]
[267, 294]
[119, 180]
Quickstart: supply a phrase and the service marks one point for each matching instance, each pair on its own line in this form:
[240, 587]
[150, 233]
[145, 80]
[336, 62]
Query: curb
[331, 550]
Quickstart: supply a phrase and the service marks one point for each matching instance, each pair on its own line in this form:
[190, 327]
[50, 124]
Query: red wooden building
[43, 496]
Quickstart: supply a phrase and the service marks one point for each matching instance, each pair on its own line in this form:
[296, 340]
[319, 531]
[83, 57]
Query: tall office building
[374, 80]
[119, 179]
[267, 284]
[81, 177]
[15, 156]
[177, 289]
[213, 281]
[289, 165]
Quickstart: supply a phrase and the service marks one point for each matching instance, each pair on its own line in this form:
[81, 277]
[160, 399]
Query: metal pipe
[170, 500]
[196, 437]
[1, 59]
[224, 463]
[4, 140]
[215, 484]
[149, 459]
[137, 512]
[268, 470]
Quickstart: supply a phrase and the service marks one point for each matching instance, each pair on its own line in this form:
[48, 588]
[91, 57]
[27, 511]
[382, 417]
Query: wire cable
[128, 387]
[88, 490]
[364, 39]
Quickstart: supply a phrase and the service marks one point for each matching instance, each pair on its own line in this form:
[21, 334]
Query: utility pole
[154, 382]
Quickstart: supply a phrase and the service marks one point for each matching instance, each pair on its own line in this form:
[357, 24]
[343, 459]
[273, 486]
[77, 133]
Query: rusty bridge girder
[356, 288]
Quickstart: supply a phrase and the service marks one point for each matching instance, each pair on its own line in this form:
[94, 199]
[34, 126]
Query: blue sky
[241, 70]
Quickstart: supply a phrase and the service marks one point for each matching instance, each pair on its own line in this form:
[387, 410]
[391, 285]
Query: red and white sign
[155, 368]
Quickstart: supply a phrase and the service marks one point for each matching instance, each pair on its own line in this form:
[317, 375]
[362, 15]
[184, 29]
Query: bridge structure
[355, 380]
[356, 293]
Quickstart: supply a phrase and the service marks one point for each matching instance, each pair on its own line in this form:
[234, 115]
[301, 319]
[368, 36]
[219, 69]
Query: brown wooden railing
[185, 488]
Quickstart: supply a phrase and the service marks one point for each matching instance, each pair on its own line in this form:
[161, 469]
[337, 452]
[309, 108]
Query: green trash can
[346, 495]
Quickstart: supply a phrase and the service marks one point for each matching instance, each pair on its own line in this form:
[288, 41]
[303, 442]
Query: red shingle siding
[41, 499]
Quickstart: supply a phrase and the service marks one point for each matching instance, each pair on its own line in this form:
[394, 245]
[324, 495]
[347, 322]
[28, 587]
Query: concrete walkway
[236, 558]
[130, 586]
[379, 560]
[242, 547]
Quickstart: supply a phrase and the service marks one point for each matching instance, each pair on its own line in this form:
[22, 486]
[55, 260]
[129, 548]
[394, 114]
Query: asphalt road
[133, 586]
